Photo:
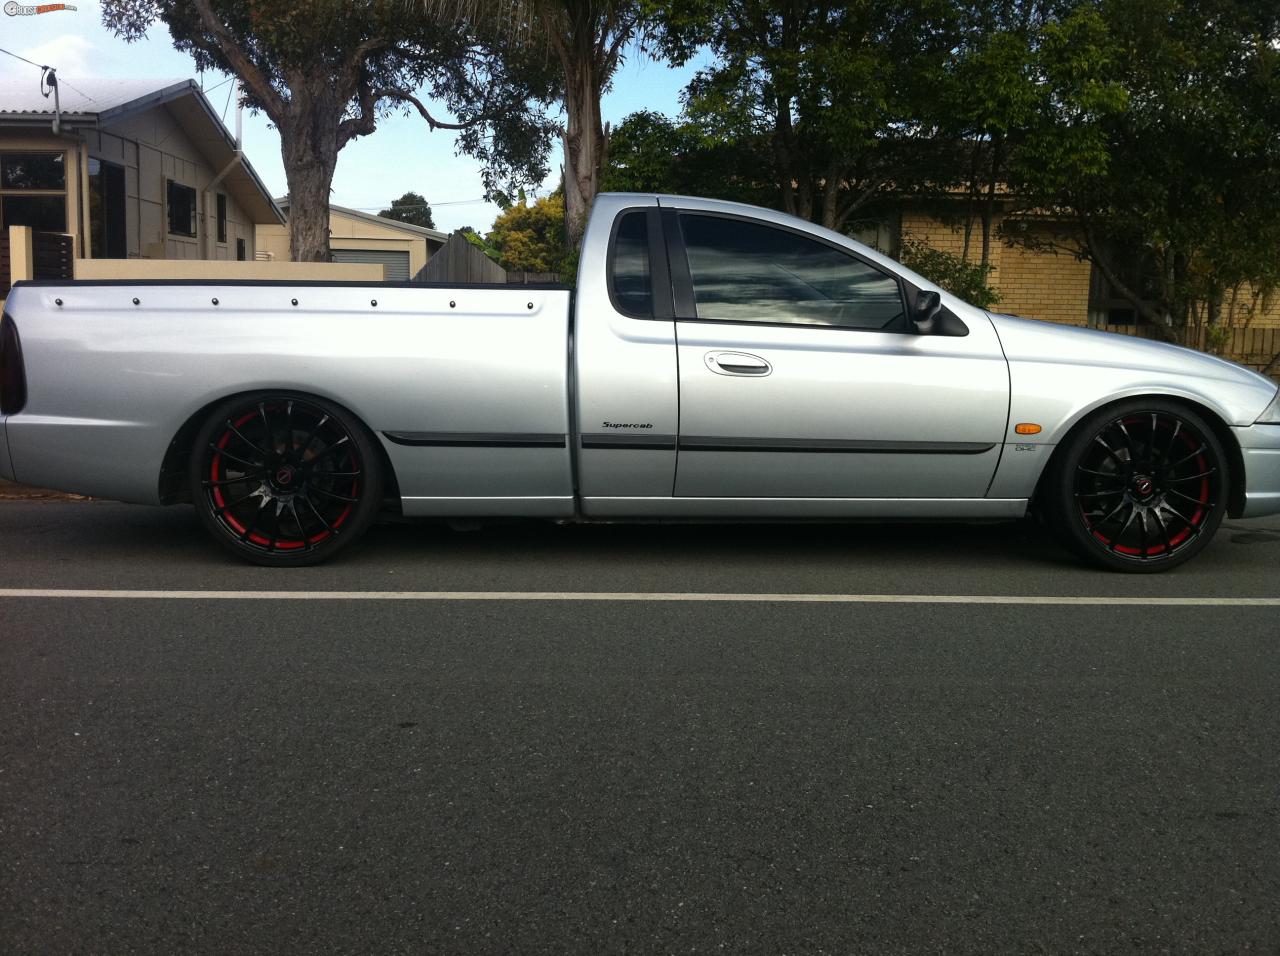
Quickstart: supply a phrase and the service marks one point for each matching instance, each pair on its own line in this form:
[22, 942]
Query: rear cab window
[630, 269]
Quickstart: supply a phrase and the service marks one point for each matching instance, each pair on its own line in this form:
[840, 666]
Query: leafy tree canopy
[326, 71]
[650, 153]
[1159, 147]
[410, 208]
[530, 237]
[836, 91]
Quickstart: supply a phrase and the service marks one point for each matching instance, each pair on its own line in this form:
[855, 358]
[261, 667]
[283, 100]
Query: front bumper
[1260, 446]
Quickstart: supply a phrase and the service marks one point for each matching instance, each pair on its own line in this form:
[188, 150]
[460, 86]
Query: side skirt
[741, 509]
[748, 509]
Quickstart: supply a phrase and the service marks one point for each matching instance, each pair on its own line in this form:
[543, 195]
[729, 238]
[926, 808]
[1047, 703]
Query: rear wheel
[283, 479]
[1140, 486]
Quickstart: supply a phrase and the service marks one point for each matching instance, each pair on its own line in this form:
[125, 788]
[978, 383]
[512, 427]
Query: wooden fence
[458, 261]
[1259, 349]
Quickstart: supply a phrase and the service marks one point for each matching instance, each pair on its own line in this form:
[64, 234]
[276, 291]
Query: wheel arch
[173, 487]
[1221, 430]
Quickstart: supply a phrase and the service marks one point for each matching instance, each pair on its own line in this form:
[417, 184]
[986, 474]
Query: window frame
[6, 191]
[220, 207]
[123, 225]
[682, 277]
[660, 290]
[168, 210]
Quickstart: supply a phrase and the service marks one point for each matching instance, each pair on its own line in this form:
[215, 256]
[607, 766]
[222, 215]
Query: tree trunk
[584, 142]
[989, 203]
[830, 199]
[974, 188]
[309, 148]
[1097, 254]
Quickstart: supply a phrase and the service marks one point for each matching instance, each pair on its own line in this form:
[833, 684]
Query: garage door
[397, 263]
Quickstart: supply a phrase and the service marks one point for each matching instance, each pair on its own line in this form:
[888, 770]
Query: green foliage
[326, 71]
[410, 208]
[650, 153]
[1158, 142]
[970, 281]
[1216, 338]
[578, 46]
[531, 237]
[834, 93]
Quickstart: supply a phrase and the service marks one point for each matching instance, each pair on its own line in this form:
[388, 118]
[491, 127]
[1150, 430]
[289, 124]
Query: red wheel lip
[1161, 551]
[262, 541]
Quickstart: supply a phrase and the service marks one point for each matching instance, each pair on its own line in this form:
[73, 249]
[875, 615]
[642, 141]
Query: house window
[182, 210]
[33, 191]
[222, 217]
[240, 251]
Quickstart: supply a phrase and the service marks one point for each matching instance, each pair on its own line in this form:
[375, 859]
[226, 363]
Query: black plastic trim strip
[678, 261]
[638, 442]
[478, 439]
[835, 445]
[663, 300]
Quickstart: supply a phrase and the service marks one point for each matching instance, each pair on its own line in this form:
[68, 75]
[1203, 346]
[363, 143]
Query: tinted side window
[748, 272]
[630, 278]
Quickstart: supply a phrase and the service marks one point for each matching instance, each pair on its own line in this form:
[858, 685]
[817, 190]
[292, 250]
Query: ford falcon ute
[714, 361]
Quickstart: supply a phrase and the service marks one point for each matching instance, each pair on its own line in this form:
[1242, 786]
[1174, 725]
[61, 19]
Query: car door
[801, 375]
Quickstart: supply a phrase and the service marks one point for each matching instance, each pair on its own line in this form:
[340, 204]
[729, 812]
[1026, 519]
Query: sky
[402, 155]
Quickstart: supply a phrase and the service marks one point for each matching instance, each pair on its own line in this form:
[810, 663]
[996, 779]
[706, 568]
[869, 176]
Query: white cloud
[67, 53]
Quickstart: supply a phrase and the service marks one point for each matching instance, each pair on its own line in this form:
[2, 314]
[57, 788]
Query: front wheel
[1140, 486]
[284, 480]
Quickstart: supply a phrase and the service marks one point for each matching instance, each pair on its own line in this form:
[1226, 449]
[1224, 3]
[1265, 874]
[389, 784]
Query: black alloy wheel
[1140, 486]
[283, 479]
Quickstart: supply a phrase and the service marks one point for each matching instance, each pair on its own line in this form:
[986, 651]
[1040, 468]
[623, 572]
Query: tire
[1139, 486]
[285, 480]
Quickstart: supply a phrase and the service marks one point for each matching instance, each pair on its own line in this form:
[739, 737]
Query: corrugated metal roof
[78, 96]
[436, 234]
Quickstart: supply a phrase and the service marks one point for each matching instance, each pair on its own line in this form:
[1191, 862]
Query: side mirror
[925, 315]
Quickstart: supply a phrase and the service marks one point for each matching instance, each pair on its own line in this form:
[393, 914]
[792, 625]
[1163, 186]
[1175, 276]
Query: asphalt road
[395, 776]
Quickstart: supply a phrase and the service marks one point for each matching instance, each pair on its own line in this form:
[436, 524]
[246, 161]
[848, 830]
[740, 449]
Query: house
[129, 169]
[355, 236]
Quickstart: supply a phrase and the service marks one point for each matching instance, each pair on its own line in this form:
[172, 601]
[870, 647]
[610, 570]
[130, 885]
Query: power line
[76, 88]
[425, 205]
[48, 69]
[207, 90]
[38, 66]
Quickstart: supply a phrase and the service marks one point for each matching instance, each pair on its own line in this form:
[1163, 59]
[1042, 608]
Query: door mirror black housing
[926, 312]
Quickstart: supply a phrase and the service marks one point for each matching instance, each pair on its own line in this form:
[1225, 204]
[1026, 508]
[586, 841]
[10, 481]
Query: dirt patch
[9, 491]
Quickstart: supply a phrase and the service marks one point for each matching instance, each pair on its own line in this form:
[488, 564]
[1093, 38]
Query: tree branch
[1096, 256]
[405, 96]
[254, 78]
[366, 121]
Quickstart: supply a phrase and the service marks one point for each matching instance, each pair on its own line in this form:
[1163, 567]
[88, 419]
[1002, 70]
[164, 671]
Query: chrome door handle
[737, 363]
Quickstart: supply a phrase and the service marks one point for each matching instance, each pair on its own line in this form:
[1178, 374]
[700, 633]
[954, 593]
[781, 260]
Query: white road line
[649, 596]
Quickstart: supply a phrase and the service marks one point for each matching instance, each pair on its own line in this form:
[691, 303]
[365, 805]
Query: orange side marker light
[1027, 428]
